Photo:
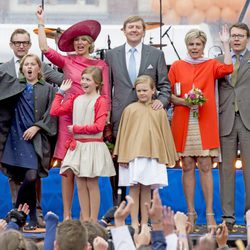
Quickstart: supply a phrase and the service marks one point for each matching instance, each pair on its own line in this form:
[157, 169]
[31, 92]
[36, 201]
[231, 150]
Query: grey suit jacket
[227, 94]
[50, 75]
[123, 92]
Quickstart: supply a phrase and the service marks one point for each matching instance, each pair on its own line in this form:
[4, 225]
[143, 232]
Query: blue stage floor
[172, 195]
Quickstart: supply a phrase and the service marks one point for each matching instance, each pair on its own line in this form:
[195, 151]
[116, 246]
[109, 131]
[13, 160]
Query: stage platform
[172, 196]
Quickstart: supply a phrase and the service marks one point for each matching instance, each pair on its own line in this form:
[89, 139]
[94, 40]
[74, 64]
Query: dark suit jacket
[10, 90]
[123, 92]
[227, 94]
[50, 75]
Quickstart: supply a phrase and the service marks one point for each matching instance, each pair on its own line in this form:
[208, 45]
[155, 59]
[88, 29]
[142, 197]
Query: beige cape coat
[144, 132]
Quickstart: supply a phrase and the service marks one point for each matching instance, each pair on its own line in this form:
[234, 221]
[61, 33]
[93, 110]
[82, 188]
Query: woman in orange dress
[197, 139]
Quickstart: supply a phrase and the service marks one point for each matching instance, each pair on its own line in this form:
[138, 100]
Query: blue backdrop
[172, 195]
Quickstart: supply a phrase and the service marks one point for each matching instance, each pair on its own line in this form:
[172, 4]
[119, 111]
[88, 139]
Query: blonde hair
[145, 79]
[90, 40]
[133, 19]
[40, 75]
[196, 33]
[96, 73]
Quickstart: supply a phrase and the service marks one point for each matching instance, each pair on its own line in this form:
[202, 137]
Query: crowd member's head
[12, 240]
[71, 235]
[31, 68]
[20, 42]
[80, 37]
[95, 230]
[31, 245]
[134, 30]
[40, 245]
[239, 37]
[195, 41]
[206, 242]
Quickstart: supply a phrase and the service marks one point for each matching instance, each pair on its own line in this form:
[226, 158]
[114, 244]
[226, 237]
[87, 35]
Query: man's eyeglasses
[237, 36]
[18, 43]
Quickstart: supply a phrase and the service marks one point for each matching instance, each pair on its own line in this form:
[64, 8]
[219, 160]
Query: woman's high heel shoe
[191, 221]
[210, 226]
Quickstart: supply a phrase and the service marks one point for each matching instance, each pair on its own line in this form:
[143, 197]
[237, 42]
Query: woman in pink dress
[79, 38]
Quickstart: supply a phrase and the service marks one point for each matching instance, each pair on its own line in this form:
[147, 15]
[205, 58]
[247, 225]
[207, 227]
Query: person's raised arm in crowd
[169, 228]
[181, 223]
[222, 236]
[51, 220]
[248, 228]
[156, 215]
[121, 237]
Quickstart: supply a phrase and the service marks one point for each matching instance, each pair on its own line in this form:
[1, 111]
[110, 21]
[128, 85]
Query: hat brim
[90, 28]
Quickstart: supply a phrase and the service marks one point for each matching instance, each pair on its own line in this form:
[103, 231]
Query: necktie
[235, 72]
[132, 66]
[234, 79]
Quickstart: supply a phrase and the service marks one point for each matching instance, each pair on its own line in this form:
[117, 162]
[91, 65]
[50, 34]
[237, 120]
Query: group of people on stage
[131, 90]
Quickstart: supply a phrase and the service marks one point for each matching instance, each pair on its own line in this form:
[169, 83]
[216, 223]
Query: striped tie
[234, 79]
[235, 72]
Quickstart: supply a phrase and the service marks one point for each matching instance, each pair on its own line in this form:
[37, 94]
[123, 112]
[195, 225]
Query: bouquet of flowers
[195, 98]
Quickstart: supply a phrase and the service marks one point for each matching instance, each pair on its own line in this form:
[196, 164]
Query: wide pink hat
[90, 28]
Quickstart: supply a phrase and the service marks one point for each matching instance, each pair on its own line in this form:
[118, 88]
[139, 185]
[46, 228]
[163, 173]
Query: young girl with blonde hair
[144, 147]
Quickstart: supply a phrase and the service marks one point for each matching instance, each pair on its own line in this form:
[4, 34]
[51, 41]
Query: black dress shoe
[230, 225]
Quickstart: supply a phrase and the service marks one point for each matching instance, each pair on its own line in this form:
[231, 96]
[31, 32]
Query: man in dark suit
[20, 43]
[147, 60]
[234, 121]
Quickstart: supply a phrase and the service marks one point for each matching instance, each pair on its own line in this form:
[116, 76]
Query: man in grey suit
[148, 61]
[234, 120]
[20, 43]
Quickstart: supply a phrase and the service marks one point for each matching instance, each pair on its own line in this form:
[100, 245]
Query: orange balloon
[171, 18]
[213, 14]
[184, 7]
[236, 5]
[171, 3]
[196, 17]
[203, 4]
[222, 3]
[228, 15]
[156, 6]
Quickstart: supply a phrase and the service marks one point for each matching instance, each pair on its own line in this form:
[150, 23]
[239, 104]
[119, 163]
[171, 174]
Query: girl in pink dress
[79, 38]
[87, 156]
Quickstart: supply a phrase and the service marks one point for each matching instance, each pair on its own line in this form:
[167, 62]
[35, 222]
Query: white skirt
[88, 159]
[145, 171]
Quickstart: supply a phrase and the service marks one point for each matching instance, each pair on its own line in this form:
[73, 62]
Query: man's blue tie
[132, 66]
